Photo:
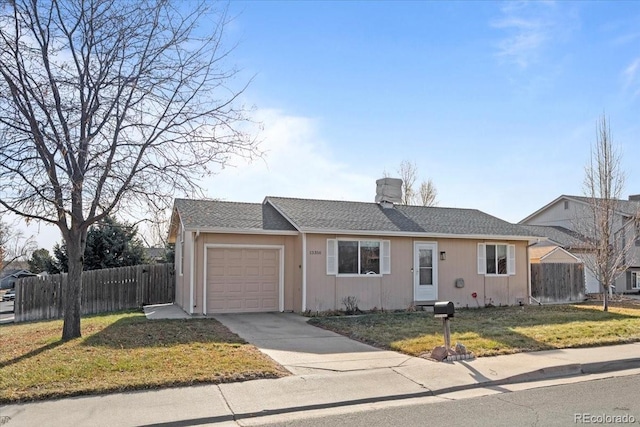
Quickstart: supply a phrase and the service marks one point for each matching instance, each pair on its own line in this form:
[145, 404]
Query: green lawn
[123, 351]
[493, 331]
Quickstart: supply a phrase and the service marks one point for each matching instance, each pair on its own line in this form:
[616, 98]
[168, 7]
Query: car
[10, 295]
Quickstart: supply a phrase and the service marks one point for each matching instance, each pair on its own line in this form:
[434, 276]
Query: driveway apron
[303, 349]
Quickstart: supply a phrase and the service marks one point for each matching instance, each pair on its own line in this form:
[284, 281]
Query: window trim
[637, 274]
[333, 254]
[482, 259]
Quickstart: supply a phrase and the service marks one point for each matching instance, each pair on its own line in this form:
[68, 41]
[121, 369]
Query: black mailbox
[443, 309]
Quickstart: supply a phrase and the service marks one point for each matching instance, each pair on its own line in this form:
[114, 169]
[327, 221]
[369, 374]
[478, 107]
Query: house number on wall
[315, 252]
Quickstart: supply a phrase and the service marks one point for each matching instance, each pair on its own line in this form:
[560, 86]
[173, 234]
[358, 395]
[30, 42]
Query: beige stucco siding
[395, 290]
[326, 292]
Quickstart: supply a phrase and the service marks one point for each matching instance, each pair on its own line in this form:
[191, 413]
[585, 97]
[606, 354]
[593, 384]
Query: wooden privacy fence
[105, 290]
[557, 282]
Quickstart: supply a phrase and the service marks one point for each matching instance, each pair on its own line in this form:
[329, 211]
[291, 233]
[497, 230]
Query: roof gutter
[228, 230]
[534, 239]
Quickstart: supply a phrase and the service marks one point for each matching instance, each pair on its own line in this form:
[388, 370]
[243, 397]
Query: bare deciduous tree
[14, 245]
[408, 173]
[426, 193]
[608, 241]
[111, 105]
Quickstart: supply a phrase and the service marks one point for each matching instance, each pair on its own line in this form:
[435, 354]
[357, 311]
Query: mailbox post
[445, 310]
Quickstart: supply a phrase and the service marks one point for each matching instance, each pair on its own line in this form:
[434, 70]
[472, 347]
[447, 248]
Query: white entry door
[425, 272]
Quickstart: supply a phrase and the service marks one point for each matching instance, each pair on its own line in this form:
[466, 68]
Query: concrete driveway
[304, 349]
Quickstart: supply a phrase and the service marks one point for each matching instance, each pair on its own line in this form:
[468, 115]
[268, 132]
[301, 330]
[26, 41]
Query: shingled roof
[560, 235]
[331, 216]
[281, 214]
[214, 214]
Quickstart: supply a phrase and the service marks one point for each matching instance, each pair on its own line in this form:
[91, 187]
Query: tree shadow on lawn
[31, 354]
[498, 324]
[130, 333]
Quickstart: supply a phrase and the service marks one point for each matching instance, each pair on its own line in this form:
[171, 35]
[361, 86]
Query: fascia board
[228, 230]
[422, 234]
[173, 228]
[559, 249]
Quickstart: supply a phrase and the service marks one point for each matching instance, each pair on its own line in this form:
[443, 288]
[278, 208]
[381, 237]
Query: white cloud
[630, 75]
[297, 163]
[530, 27]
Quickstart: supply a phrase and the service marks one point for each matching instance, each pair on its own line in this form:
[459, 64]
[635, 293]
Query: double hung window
[496, 259]
[358, 257]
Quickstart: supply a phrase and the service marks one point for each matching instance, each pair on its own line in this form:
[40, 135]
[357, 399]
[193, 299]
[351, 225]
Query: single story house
[288, 254]
[8, 281]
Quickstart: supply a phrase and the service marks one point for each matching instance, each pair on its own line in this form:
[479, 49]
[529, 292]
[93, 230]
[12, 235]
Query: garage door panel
[252, 271]
[241, 279]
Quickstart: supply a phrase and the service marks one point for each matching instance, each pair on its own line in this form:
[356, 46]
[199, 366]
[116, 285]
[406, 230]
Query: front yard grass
[123, 351]
[494, 331]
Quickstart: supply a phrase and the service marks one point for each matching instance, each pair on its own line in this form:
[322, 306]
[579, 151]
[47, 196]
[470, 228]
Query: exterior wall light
[443, 256]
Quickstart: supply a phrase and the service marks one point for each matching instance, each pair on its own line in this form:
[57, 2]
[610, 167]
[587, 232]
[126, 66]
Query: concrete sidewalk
[325, 379]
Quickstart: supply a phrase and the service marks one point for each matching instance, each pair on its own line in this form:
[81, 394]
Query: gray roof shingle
[208, 214]
[331, 215]
[560, 235]
[338, 216]
[461, 222]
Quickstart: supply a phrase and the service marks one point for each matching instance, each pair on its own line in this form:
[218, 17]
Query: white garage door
[242, 280]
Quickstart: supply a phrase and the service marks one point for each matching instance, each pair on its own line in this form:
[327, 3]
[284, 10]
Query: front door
[425, 272]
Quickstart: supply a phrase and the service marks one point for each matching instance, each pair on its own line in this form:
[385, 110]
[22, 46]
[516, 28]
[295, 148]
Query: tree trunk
[73, 294]
[605, 299]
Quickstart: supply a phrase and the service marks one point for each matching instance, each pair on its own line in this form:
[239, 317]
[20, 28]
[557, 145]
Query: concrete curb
[569, 370]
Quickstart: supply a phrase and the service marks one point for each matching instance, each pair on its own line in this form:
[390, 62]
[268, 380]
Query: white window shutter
[385, 266]
[332, 257]
[511, 260]
[482, 259]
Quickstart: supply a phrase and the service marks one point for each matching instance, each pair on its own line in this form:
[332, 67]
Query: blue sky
[496, 102]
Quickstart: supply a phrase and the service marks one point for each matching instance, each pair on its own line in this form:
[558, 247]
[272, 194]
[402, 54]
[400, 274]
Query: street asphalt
[330, 374]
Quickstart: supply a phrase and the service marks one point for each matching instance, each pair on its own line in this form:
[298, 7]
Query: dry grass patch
[123, 351]
[493, 331]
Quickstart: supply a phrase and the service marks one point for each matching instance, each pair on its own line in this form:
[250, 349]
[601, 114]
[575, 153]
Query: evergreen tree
[110, 244]
[41, 260]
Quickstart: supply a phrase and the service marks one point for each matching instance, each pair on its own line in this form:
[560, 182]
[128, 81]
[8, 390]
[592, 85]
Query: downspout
[531, 298]
[192, 270]
[304, 272]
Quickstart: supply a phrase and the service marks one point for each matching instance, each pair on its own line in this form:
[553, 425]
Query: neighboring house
[155, 255]
[9, 279]
[560, 220]
[289, 254]
[550, 253]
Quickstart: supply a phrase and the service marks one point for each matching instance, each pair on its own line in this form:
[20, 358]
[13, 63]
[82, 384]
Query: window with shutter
[496, 259]
[482, 264]
[358, 257]
[386, 257]
[332, 259]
